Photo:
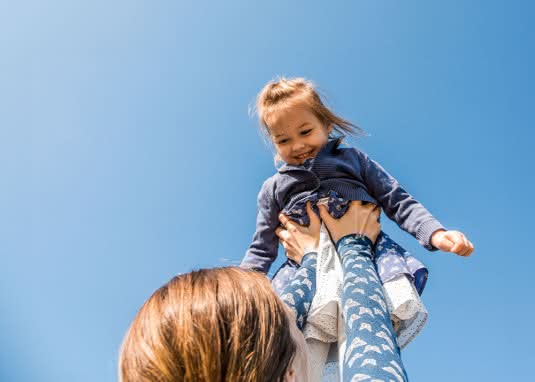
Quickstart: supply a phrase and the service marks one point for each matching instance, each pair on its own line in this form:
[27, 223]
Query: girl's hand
[452, 241]
[359, 219]
[297, 239]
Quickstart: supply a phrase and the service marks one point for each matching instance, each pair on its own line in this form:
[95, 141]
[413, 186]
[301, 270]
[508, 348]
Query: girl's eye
[282, 141]
[305, 132]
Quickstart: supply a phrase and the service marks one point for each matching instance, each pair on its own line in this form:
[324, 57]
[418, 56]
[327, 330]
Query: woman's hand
[452, 241]
[297, 239]
[359, 219]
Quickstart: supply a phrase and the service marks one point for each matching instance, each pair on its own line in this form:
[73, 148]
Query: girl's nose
[298, 146]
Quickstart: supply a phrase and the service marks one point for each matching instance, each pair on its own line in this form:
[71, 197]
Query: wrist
[310, 249]
[308, 259]
[355, 238]
[436, 237]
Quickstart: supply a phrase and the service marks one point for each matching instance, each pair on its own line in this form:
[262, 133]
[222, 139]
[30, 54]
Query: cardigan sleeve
[265, 244]
[398, 204]
[300, 291]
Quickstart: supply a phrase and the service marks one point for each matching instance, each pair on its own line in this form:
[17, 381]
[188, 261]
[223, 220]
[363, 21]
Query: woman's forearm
[301, 289]
[372, 351]
[354, 243]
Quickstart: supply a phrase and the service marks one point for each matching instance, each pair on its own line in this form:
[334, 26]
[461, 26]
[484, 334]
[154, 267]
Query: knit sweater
[352, 175]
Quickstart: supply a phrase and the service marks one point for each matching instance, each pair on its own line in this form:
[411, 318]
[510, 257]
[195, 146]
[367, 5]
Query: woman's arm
[372, 352]
[298, 240]
[301, 246]
[299, 293]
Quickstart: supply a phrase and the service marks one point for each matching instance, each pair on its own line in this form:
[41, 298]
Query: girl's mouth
[306, 155]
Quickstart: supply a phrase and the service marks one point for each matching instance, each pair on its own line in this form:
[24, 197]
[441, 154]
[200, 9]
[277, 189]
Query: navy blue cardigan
[351, 174]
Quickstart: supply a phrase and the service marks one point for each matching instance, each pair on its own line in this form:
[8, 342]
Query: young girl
[307, 137]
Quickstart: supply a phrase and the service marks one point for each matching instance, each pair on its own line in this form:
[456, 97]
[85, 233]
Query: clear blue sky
[125, 142]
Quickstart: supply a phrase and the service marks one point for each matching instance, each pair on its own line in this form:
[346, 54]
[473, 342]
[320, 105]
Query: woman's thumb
[324, 214]
[311, 214]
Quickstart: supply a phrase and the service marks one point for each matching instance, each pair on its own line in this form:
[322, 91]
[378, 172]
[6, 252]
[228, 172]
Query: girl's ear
[330, 128]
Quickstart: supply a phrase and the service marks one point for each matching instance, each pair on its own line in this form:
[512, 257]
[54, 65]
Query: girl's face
[297, 134]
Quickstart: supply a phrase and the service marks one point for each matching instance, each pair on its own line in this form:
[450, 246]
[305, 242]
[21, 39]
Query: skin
[452, 241]
[298, 135]
[297, 371]
[298, 240]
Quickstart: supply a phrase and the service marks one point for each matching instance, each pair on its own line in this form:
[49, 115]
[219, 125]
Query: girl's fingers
[466, 242]
[460, 242]
[456, 244]
[456, 248]
[470, 248]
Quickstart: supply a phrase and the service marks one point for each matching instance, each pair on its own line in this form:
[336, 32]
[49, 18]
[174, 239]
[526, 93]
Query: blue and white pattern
[372, 352]
[391, 259]
[300, 291]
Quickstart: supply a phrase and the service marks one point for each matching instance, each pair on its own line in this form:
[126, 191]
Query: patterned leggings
[372, 353]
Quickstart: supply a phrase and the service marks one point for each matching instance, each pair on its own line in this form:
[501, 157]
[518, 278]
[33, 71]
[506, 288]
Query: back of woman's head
[222, 324]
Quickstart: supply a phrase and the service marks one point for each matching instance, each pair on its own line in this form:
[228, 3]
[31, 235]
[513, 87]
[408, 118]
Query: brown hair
[212, 325]
[287, 92]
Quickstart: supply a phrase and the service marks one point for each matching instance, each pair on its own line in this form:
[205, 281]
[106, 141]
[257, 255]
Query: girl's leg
[372, 352]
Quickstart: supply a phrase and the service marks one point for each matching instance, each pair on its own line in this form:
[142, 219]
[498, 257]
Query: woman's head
[223, 324]
[296, 120]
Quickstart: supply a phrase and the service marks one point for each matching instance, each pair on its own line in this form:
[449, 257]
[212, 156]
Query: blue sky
[127, 155]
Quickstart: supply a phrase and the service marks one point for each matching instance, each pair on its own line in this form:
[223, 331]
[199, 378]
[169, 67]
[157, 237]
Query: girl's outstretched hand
[298, 240]
[359, 219]
[452, 241]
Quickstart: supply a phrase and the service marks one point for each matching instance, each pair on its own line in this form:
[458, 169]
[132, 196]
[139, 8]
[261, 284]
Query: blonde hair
[211, 325]
[288, 92]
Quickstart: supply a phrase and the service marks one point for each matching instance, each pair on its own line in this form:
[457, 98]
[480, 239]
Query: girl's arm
[398, 204]
[409, 213]
[264, 247]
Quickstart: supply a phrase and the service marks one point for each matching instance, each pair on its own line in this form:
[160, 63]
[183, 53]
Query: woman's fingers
[283, 219]
[291, 226]
[325, 215]
[314, 219]
[282, 234]
[287, 223]
[377, 212]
